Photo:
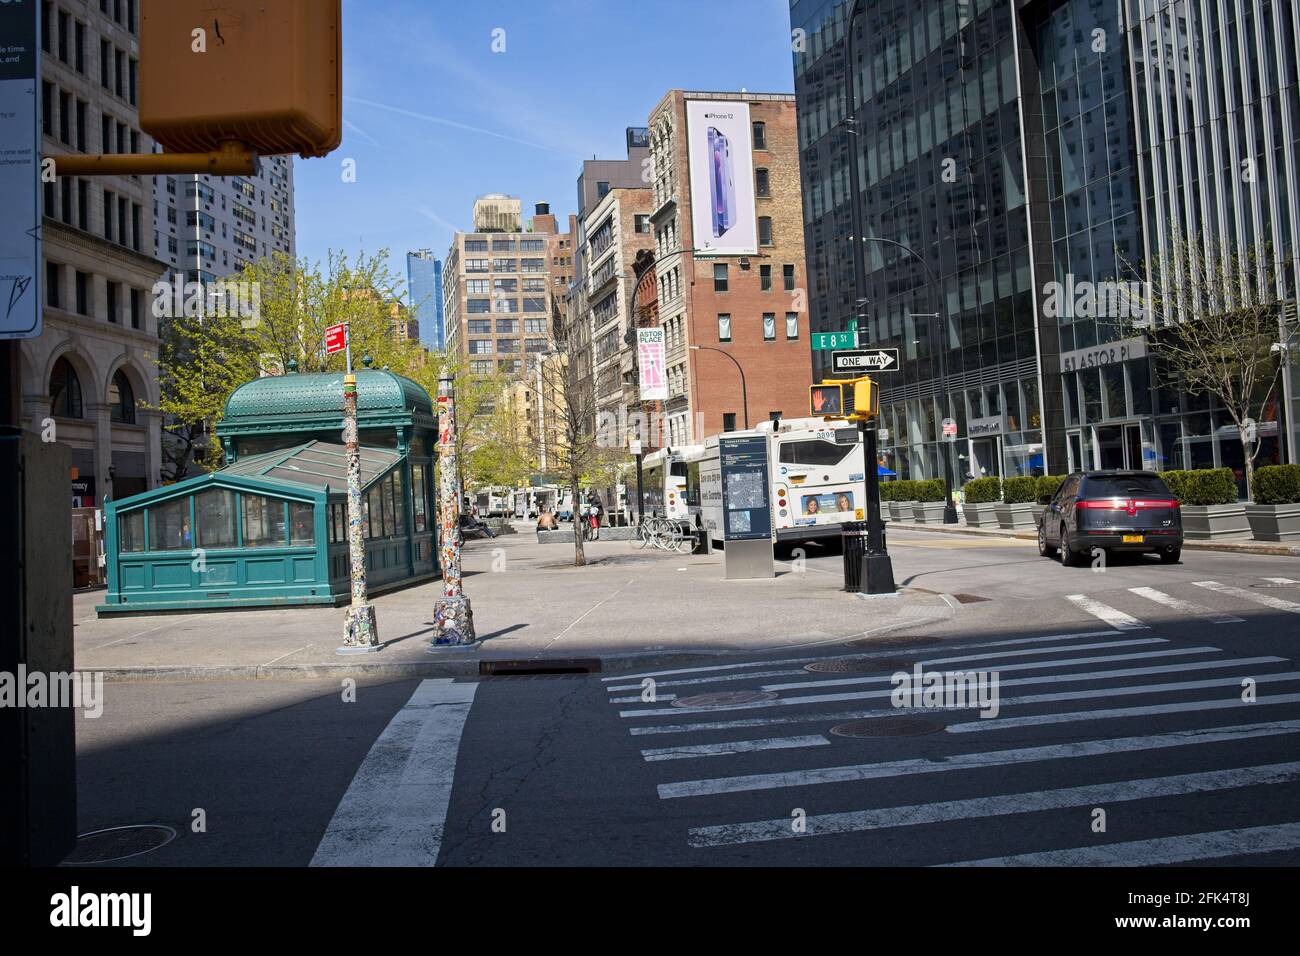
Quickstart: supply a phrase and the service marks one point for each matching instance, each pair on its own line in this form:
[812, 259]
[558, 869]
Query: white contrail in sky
[456, 125]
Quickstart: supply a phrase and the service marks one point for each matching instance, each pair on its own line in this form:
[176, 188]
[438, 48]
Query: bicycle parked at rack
[664, 534]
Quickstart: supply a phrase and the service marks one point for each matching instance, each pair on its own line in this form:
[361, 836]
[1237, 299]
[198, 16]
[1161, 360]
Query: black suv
[1114, 511]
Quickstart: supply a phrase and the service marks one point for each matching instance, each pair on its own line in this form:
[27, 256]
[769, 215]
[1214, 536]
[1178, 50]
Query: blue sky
[433, 117]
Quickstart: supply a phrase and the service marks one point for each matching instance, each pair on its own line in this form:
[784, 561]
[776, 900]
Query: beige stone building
[497, 293]
[92, 373]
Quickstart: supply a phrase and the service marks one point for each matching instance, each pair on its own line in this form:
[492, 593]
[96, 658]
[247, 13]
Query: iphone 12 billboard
[722, 177]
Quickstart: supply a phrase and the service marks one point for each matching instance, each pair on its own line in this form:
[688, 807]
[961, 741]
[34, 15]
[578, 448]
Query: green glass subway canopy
[269, 528]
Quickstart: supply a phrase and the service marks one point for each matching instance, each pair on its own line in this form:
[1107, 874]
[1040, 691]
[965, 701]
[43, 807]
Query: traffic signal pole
[878, 568]
[453, 617]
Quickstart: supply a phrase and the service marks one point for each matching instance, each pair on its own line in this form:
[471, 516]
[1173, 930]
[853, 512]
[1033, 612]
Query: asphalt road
[1121, 736]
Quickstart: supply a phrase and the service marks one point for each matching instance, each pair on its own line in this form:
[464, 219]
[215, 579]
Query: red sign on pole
[336, 338]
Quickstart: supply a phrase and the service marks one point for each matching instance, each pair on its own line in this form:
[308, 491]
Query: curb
[1231, 547]
[611, 663]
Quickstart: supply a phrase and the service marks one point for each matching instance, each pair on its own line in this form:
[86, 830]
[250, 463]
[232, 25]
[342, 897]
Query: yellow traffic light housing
[827, 399]
[855, 399]
[268, 75]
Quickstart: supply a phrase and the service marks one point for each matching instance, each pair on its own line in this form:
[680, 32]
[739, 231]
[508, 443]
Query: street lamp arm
[744, 391]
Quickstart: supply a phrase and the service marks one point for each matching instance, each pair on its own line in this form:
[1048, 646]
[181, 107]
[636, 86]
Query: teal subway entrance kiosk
[269, 528]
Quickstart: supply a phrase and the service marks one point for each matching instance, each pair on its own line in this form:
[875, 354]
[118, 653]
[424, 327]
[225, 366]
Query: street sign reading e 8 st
[864, 360]
[825, 341]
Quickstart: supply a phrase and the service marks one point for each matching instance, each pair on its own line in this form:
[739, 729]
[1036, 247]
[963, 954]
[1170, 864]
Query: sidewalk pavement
[1243, 545]
[628, 607]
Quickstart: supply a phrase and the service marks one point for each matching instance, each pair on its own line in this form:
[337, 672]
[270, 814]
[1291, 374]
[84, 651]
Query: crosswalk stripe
[933, 662]
[1153, 710]
[707, 726]
[798, 670]
[637, 699]
[1187, 607]
[1281, 581]
[857, 821]
[860, 695]
[1265, 599]
[1112, 616]
[970, 761]
[1245, 841]
[735, 747]
[718, 667]
[394, 811]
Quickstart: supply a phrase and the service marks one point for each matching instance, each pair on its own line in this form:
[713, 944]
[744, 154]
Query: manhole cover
[119, 843]
[888, 727]
[726, 698]
[859, 665]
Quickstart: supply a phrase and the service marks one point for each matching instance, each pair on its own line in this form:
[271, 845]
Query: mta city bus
[816, 479]
[670, 478]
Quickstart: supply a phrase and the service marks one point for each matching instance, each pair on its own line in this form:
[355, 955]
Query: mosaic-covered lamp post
[452, 615]
[361, 630]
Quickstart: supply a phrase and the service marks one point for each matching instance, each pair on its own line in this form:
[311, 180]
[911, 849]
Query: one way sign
[865, 360]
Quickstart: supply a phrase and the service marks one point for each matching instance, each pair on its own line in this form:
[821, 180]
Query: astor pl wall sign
[1111, 353]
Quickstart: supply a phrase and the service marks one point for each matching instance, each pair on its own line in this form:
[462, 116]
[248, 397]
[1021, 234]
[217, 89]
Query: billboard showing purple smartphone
[722, 176]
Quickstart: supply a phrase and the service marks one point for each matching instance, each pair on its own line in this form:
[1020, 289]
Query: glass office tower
[1010, 144]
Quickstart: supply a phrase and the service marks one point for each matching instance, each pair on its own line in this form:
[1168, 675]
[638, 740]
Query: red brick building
[730, 275]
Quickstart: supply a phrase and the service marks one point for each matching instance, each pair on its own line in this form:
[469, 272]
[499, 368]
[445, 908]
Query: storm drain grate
[119, 843]
[890, 643]
[859, 665]
[725, 698]
[888, 727]
[543, 668]
[970, 598]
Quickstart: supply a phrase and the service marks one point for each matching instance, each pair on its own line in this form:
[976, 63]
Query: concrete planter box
[565, 535]
[980, 515]
[1015, 517]
[1273, 522]
[927, 512]
[1037, 511]
[1214, 522]
[902, 510]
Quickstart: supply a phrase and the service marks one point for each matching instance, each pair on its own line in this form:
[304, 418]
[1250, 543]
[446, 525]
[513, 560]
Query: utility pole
[361, 629]
[453, 616]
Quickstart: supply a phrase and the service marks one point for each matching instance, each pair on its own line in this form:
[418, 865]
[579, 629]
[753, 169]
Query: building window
[135, 308]
[214, 513]
[719, 277]
[641, 223]
[760, 135]
[769, 326]
[792, 325]
[113, 288]
[761, 187]
[602, 190]
[263, 520]
[121, 399]
[52, 284]
[83, 293]
[728, 421]
[764, 230]
[724, 327]
[787, 277]
[65, 390]
[169, 526]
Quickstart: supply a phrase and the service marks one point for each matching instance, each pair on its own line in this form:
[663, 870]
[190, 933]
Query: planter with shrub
[886, 499]
[1046, 487]
[928, 508]
[1275, 513]
[982, 495]
[1015, 510]
[902, 499]
[1210, 508]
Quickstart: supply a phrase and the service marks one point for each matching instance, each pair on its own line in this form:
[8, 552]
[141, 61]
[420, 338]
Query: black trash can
[853, 539]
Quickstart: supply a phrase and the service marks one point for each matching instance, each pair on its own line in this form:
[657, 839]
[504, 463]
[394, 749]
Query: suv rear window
[1125, 486]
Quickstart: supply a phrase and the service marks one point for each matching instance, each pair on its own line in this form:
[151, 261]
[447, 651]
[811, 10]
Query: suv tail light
[1131, 505]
